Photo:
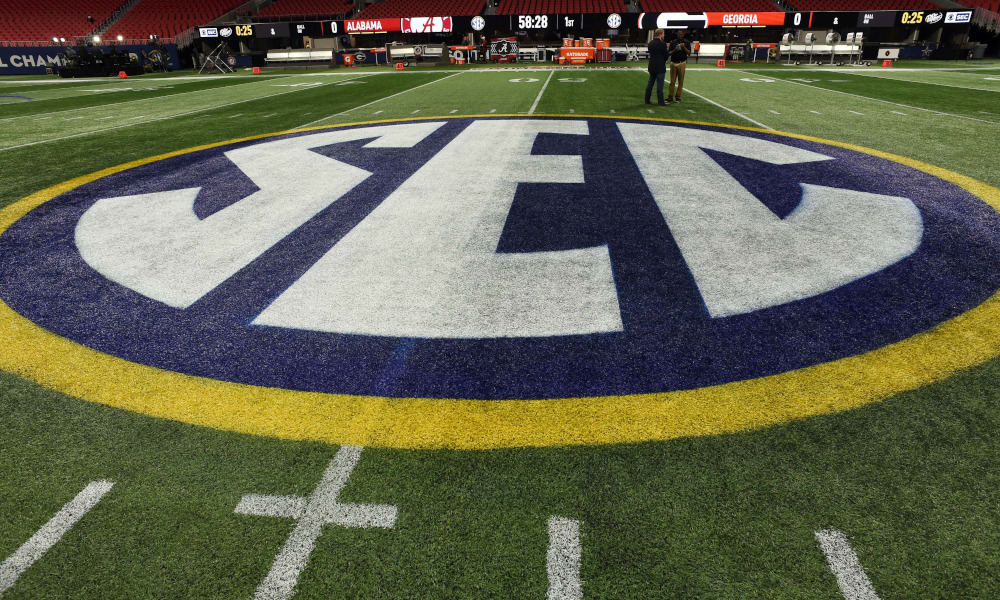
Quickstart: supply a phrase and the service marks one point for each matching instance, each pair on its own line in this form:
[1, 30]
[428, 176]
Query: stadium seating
[30, 20]
[863, 5]
[990, 5]
[541, 7]
[167, 18]
[708, 6]
[421, 8]
[304, 8]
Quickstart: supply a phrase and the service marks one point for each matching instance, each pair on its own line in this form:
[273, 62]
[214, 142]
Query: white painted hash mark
[854, 112]
[563, 560]
[312, 513]
[851, 578]
[51, 532]
[774, 112]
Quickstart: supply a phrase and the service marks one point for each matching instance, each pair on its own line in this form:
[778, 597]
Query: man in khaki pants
[679, 50]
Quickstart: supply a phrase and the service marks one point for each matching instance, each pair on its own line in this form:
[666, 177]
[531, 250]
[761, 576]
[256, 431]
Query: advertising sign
[26, 60]
[962, 16]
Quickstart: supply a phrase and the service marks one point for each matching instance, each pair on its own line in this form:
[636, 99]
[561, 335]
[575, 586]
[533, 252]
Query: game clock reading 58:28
[532, 21]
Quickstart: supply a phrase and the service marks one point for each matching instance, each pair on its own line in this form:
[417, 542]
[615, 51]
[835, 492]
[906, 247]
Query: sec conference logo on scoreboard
[487, 282]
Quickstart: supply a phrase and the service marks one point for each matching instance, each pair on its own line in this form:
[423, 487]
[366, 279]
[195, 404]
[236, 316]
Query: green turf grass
[911, 480]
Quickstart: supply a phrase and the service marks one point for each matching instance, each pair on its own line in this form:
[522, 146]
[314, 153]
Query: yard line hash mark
[815, 112]
[563, 560]
[311, 514]
[854, 112]
[51, 532]
[851, 578]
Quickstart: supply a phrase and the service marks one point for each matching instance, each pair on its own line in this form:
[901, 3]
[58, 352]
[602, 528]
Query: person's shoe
[648, 102]
[677, 100]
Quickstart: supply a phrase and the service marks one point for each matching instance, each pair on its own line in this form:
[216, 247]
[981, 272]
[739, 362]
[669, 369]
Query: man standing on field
[657, 66]
[679, 50]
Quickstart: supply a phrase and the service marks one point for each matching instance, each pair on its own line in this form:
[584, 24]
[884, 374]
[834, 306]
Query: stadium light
[62, 39]
[55, 40]
[121, 37]
[97, 39]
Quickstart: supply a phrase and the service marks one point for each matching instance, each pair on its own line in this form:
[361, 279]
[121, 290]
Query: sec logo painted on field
[485, 282]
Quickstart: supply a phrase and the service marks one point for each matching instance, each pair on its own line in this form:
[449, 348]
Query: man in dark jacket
[679, 51]
[657, 66]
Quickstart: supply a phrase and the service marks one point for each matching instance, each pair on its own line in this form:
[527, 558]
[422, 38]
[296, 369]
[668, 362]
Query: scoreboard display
[272, 30]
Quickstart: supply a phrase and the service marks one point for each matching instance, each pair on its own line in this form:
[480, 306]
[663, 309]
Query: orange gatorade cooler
[588, 42]
[567, 42]
[348, 59]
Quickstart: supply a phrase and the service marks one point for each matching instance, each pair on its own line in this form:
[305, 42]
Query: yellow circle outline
[54, 362]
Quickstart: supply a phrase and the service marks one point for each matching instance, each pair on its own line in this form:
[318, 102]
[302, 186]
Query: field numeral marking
[851, 577]
[312, 513]
[51, 532]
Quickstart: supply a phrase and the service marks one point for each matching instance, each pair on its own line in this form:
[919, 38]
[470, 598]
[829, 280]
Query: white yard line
[117, 104]
[697, 95]
[891, 78]
[212, 89]
[851, 578]
[51, 532]
[322, 507]
[936, 112]
[563, 560]
[538, 98]
[380, 100]
[83, 133]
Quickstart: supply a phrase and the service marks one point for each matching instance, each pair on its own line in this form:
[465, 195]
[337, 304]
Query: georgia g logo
[499, 282]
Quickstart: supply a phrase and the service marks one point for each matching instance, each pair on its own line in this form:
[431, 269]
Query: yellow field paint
[34, 353]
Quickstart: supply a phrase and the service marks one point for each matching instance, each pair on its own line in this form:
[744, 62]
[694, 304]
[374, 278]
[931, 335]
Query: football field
[502, 333]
